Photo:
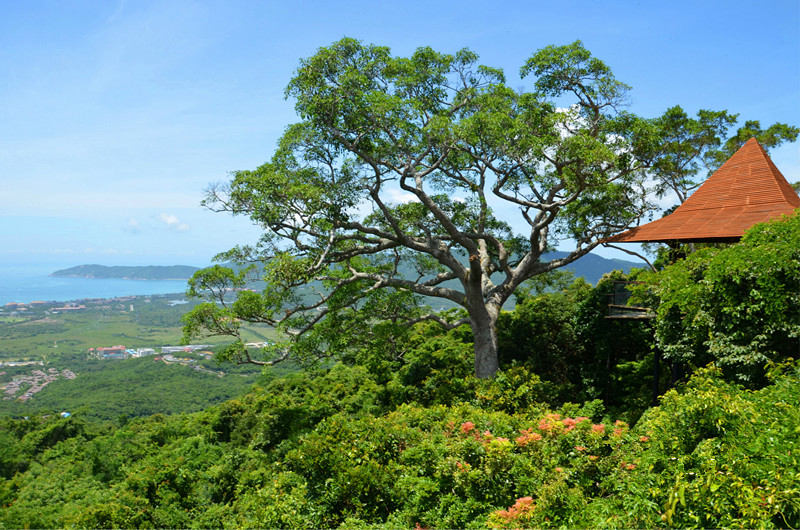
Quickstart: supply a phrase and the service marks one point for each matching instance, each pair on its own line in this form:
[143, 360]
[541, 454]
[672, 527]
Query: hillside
[147, 272]
[592, 267]
[584, 426]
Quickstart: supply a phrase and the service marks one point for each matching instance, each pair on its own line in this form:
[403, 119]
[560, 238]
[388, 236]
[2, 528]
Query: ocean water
[26, 283]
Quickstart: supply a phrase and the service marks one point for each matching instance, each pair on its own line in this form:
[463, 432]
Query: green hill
[147, 272]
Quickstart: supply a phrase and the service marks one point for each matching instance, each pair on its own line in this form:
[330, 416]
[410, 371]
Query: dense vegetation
[121, 389]
[397, 432]
[330, 450]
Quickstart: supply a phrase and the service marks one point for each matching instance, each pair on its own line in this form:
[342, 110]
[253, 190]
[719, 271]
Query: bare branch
[632, 253]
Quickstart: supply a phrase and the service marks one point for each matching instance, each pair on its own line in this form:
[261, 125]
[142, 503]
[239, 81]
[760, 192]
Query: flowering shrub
[520, 514]
[712, 454]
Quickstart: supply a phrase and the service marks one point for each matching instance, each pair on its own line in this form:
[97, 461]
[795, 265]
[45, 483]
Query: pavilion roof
[746, 190]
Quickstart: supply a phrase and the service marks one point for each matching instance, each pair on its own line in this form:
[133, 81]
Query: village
[33, 383]
[24, 373]
[24, 386]
[52, 307]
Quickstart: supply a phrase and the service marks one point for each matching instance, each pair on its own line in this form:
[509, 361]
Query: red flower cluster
[619, 428]
[527, 437]
[570, 423]
[468, 428]
[550, 422]
[523, 506]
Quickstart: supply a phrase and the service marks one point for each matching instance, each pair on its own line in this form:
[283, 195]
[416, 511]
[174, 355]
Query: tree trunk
[484, 332]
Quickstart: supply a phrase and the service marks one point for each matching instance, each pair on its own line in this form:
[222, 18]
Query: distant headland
[147, 272]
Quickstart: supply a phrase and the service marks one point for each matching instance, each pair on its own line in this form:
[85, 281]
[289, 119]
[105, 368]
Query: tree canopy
[428, 176]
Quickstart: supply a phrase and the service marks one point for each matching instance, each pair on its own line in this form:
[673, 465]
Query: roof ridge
[789, 194]
[747, 189]
[735, 181]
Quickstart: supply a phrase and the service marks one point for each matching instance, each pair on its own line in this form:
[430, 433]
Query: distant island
[147, 272]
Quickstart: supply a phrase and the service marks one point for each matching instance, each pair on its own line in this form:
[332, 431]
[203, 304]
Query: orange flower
[467, 427]
[527, 436]
[549, 422]
[521, 507]
[580, 448]
[644, 438]
[599, 428]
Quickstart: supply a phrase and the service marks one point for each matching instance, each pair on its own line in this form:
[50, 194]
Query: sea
[28, 283]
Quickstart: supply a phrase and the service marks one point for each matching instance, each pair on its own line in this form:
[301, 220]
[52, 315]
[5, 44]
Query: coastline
[81, 303]
[23, 287]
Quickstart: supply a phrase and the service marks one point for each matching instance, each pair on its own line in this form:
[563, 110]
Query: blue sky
[115, 116]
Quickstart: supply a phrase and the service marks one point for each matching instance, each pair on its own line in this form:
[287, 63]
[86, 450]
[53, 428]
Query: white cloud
[397, 196]
[173, 223]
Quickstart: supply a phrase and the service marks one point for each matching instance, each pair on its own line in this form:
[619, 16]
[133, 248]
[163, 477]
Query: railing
[618, 306]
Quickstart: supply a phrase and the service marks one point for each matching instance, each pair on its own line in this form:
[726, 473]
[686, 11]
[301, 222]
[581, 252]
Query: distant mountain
[592, 267]
[147, 272]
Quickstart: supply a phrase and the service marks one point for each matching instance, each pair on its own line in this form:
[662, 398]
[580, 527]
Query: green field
[110, 389]
[55, 337]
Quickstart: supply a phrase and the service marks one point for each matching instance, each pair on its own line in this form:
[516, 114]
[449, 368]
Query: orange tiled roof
[746, 190]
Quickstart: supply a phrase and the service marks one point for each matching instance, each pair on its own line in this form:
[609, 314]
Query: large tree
[414, 176]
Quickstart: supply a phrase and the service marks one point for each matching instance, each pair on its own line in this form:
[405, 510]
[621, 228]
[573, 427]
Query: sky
[116, 116]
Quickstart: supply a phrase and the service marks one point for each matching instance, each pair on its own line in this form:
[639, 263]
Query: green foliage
[718, 455]
[689, 144]
[772, 136]
[737, 305]
[292, 404]
[437, 368]
[319, 451]
[540, 333]
[563, 338]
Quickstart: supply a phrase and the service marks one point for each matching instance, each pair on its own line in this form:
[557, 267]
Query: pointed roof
[746, 190]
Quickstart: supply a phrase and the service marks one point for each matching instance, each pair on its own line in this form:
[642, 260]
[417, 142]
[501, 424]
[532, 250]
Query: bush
[738, 306]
